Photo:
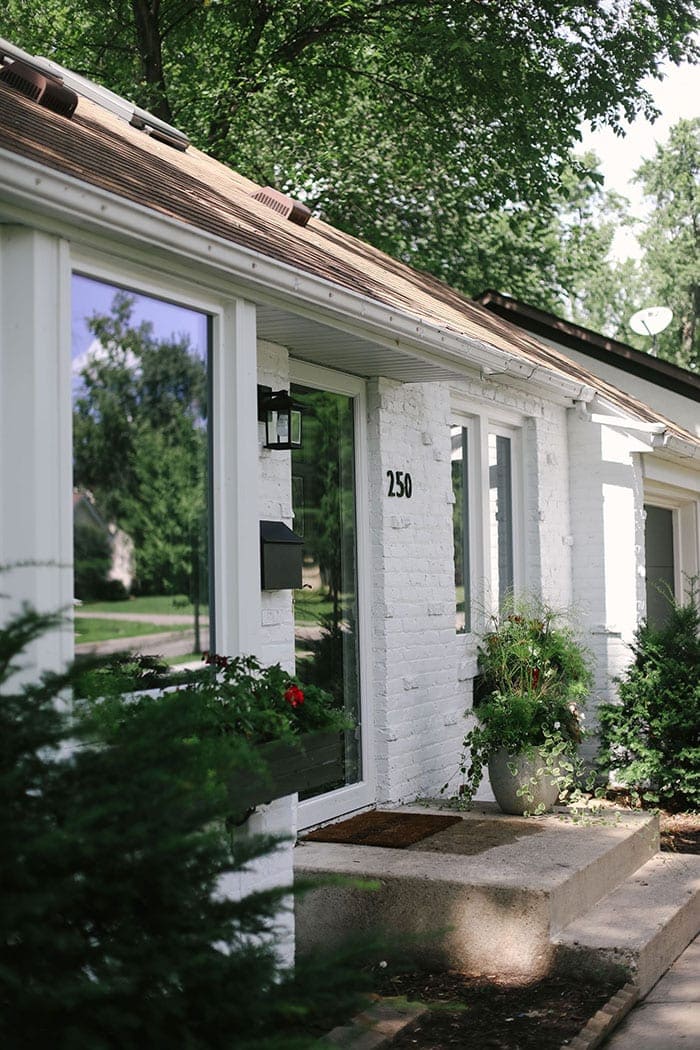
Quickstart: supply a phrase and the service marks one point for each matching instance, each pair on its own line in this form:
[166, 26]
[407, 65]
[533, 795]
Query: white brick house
[414, 397]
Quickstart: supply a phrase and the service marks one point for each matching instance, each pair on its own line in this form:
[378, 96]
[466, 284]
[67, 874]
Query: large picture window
[141, 468]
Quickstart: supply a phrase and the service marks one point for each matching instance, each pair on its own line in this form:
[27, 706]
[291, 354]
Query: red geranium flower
[294, 696]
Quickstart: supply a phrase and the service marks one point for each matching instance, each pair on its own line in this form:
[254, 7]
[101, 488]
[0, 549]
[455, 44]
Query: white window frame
[233, 485]
[685, 507]
[353, 796]
[480, 423]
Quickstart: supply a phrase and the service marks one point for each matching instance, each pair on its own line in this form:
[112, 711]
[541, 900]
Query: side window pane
[140, 474]
[501, 516]
[660, 565]
[460, 523]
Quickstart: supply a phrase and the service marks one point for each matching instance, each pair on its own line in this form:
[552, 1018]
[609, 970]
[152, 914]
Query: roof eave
[66, 203]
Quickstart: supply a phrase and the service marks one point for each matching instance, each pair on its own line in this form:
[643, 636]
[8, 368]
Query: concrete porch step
[643, 924]
[483, 896]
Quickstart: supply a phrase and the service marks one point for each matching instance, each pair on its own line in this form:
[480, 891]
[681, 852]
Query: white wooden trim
[35, 442]
[237, 598]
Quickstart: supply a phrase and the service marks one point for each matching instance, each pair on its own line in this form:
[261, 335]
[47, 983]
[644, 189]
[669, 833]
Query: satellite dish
[651, 321]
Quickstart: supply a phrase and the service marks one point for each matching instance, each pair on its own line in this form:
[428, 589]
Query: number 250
[400, 483]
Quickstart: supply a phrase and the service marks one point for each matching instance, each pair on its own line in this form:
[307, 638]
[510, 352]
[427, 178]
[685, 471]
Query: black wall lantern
[281, 416]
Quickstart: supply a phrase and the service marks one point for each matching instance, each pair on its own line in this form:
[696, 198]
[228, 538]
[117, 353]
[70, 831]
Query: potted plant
[295, 731]
[534, 676]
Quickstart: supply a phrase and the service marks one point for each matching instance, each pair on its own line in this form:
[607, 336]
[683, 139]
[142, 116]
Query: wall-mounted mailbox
[280, 557]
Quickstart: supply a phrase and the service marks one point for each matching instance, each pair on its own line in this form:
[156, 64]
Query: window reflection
[325, 609]
[460, 526]
[140, 474]
[501, 517]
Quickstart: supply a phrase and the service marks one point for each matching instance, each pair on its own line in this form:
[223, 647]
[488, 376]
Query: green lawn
[101, 629]
[156, 603]
[183, 658]
[310, 606]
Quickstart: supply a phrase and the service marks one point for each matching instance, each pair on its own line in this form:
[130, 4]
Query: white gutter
[618, 419]
[660, 437]
[677, 446]
[66, 203]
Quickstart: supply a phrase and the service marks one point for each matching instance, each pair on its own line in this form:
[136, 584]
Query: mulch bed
[680, 832]
[488, 1012]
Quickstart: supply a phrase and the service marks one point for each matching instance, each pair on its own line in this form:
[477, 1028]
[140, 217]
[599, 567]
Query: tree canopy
[604, 294]
[441, 131]
[671, 239]
[367, 104]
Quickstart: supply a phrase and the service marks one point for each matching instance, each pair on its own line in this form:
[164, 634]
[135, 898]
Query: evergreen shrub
[114, 932]
[650, 739]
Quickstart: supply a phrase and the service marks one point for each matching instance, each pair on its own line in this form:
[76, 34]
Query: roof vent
[293, 210]
[48, 91]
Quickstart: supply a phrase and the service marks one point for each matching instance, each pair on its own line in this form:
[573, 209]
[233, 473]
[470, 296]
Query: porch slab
[486, 895]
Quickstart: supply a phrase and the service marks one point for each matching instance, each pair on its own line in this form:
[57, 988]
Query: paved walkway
[669, 1017]
[160, 619]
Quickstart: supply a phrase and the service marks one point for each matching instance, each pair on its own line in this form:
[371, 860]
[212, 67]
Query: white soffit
[319, 344]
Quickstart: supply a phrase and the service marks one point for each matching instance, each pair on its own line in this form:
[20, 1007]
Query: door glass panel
[325, 609]
[501, 517]
[660, 571]
[141, 506]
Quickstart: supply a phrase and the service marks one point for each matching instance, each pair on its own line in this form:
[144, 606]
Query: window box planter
[312, 761]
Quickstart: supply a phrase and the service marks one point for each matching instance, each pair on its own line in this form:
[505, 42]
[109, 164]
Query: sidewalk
[669, 1017]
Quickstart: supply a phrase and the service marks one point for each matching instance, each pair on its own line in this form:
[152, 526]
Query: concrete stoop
[643, 924]
[554, 891]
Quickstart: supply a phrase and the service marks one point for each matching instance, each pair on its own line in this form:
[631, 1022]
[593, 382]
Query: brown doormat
[380, 828]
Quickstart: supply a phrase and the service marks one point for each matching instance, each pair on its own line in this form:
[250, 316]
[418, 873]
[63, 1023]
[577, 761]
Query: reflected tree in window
[140, 451]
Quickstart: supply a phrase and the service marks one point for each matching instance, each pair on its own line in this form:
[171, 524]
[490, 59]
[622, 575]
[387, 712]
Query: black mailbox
[280, 557]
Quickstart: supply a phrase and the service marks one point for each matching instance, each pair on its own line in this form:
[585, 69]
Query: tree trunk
[149, 42]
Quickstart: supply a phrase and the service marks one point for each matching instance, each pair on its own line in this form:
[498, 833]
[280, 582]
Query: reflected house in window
[104, 553]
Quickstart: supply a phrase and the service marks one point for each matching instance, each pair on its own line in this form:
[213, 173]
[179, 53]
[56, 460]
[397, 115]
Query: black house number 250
[400, 483]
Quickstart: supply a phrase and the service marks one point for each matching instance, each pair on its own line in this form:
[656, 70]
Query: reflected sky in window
[169, 320]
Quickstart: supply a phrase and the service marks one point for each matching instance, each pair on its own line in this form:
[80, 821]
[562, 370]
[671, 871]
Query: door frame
[361, 794]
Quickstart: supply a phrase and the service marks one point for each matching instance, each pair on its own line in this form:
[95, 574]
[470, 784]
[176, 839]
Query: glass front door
[325, 515]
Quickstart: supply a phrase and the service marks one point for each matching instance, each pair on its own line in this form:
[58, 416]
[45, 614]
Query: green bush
[650, 739]
[113, 935]
[93, 560]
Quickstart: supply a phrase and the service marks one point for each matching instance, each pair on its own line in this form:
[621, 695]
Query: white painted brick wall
[271, 871]
[608, 549]
[578, 498]
[548, 569]
[419, 689]
[276, 646]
